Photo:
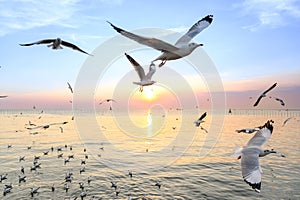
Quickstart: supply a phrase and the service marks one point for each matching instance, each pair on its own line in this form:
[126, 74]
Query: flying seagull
[249, 154]
[56, 44]
[70, 87]
[145, 80]
[285, 121]
[200, 120]
[3, 96]
[247, 130]
[181, 48]
[264, 94]
[107, 100]
[280, 100]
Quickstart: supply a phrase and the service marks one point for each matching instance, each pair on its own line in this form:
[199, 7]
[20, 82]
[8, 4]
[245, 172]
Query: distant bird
[61, 129]
[22, 170]
[247, 130]
[145, 79]
[34, 191]
[21, 158]
[3, 177]
[6, 190]
[114, 185]
[3, 96]
[264, 94]
[70, 88]
[200, 120]
[107, 100]
[181, 48]
[280, 100]
[249, 154]
[22, 179]
[45, 152]
[46, 126]
[82, 170]
[89, 180]
[158, 184]
[56, 44]
[285, 121]
[130, 174]
[66, 187]
[53, 188]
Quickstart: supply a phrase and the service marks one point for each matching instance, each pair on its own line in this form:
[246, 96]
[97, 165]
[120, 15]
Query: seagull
[264, 94]
[22, 179]
[251, 170]
[200, 120]
[247, 130]
[69, 86]
[34, 191]
[3, 177]
[46, 126]
[285, 121]
[202, 128]
[145, 80]
[56, 44]
[130, 174]
[6, 190]
[107, 100]
[114, 185]
[158, 184]
[280, 100]
[3, 96]
[181, 48]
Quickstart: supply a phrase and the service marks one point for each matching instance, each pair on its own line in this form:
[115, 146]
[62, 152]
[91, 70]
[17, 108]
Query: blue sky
[253, 43]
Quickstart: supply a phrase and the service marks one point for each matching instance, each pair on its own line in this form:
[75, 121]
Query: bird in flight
[70, 87]
[145, 79]
[264, 94]
[3, 96]
[107, 100]
[181, 48]
[280, 101]
[249, 154]
[57, 44]
[200, 120]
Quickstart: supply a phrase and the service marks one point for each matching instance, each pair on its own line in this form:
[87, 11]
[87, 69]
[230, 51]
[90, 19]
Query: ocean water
[155, 146]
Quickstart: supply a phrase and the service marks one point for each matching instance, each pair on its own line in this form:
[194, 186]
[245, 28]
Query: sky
[252, 43]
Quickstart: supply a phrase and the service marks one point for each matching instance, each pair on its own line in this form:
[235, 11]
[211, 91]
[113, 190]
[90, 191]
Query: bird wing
[70, 87]
[195, 30]
[73, 46]
[138, 68]
[251, 170]
[258, 100]
[152, 70]
[261, 136]
[202, 116]
[3, 96]
[274, 85]
[151, 42]
[46, 41]
[285, 121]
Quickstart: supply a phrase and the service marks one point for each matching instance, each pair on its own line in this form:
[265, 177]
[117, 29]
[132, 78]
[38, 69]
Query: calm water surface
[153, 147]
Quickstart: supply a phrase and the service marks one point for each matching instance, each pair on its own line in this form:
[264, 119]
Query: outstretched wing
[195, 30]
[251, 170]
[136, 66]
[202, 116]
[262, 135]
[73, 46]
[152, 70]
[274, 85]
[46, 41]
[150, 42]
[258, 100]
[70, 87]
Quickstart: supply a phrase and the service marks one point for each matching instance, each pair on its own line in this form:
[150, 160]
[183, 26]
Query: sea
[158, 148]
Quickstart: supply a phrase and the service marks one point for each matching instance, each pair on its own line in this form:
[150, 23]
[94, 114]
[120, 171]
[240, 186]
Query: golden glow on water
[196, 173]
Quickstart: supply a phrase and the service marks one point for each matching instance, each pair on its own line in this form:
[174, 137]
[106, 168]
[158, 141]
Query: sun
[148, 93]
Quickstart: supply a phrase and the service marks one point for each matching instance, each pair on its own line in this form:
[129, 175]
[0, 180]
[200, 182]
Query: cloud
[21, 14]
[270, 13]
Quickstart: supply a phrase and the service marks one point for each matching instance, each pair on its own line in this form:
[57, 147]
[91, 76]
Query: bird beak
[199, 45]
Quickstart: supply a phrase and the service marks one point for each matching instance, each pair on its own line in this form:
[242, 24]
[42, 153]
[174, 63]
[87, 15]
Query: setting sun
[148, 93]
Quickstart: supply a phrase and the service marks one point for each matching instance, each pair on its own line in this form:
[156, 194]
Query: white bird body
[249, 154]
[145, 79]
